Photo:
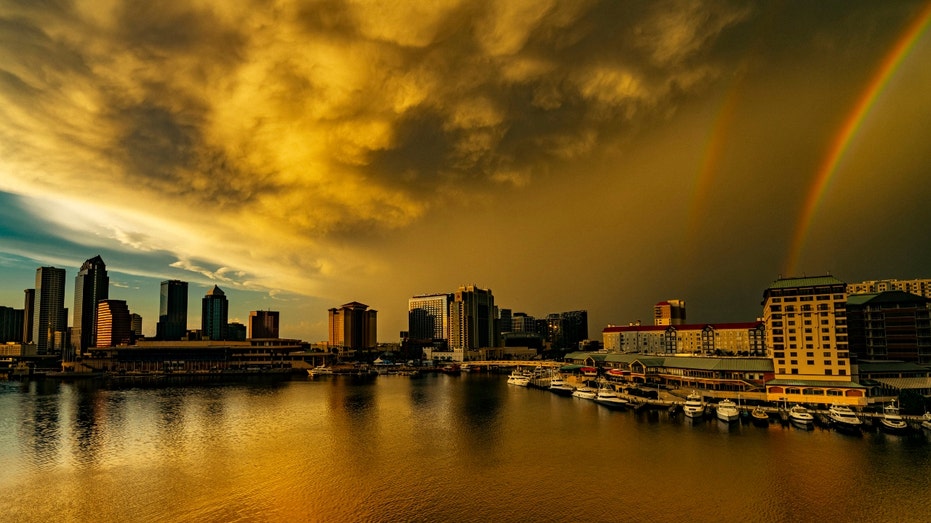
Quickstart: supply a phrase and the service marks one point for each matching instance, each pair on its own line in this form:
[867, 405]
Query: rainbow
[852, 123]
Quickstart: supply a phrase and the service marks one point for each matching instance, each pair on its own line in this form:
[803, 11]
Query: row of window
[827, 372]
[820, 297]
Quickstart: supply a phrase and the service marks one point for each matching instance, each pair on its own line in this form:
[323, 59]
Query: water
[435, 448]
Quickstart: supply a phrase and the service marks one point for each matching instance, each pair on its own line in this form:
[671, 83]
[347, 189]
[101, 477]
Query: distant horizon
[194, 319]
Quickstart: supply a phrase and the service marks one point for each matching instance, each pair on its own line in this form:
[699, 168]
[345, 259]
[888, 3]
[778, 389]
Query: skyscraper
[263, 324]
[353, 326]
[135, 324]
[215, 315]
[90, 286]
[471, 318]
[29, 307]
[172, 311]
[114, 325]
[428, 316]
[50, 321]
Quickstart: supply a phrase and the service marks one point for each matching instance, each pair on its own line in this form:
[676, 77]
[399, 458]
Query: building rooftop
[808, 281]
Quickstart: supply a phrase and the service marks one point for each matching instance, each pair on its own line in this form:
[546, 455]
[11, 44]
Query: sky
[566, 155]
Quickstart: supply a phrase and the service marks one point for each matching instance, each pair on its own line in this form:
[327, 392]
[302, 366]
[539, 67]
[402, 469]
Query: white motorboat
[608, 397]
[800, 416]
[892, 421]
[694, 407]
[843, 418]
[319, 370]
[559, 386]
[584, 392]
[726, 410]
[518, 378]
[926, 421]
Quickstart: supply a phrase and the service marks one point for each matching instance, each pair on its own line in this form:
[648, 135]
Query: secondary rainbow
[852, 123]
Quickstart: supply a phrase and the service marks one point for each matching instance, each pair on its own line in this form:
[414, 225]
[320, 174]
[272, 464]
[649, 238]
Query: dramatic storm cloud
[597, 155]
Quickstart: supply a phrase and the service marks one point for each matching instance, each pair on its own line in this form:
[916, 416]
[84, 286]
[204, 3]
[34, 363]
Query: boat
[608, 397]
[559, 386]
[759, 417]
[843, 418]
[584, 392]
[694, 407]
[892, 422]
[320, 370]
[727, 411]
[518, 378]
[926, 421]
[800, 416]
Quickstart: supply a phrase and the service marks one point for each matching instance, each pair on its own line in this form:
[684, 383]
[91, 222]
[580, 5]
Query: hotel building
[353, 326]
[806, 331]
[428, 316]
[746, 338]
[919, 287]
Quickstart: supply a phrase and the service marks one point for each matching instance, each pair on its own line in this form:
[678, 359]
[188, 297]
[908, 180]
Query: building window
[827, 363]
[810, 354]
[780, 362]
[794, 371]
[841, 372]
[810, 362]
[828, 372]
[793, 362]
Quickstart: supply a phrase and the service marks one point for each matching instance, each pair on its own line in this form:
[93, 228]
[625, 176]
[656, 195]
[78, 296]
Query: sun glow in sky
[567, 155]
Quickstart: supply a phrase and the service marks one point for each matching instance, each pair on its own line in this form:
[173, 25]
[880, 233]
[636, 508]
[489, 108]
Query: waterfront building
[740, 338]
[745, 375]
[428, 317]
[50, 324]
[90, 286]
[135, 324]
[921, 287]
[806, 332]
[669, 312]
[263, 324]
[353, 327]
[471, 317]
[890, 325]
[206, 357]
[114, 325]
[215, 315]
[11, 324]
[172, 310]
[29, 307]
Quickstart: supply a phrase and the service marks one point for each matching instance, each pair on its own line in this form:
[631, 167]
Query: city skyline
[596, 156]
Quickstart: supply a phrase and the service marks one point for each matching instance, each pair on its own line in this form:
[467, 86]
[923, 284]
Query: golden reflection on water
[437, 448]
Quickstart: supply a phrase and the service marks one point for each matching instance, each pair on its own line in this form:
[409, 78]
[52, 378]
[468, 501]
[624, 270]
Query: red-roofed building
[745, 338]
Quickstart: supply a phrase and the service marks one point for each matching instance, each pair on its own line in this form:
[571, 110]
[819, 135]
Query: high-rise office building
[428, 316]
[29, 307]
[471, 318]
[669, 312]
[50, 323]
[135, 324]
[114, 325]
[263, 324]
[353, 326]
[11, 324]
[172, 311]
[215, 315]
[90, 286]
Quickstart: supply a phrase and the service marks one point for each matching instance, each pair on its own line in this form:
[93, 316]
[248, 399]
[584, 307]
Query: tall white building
[428, 316]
